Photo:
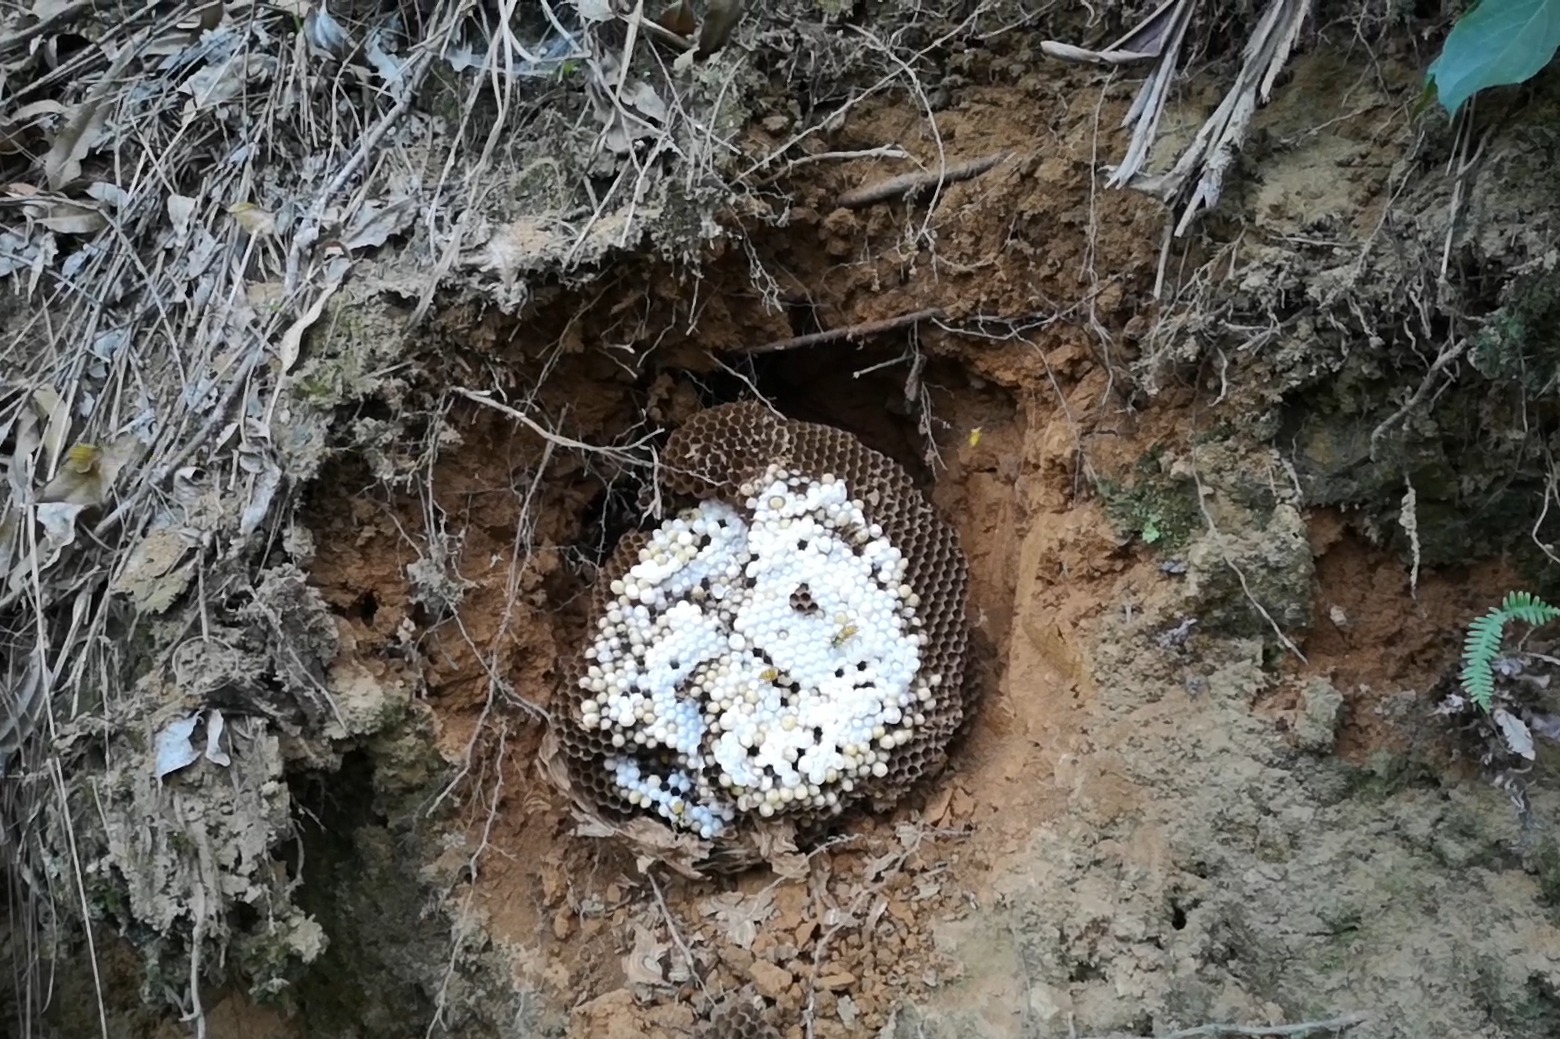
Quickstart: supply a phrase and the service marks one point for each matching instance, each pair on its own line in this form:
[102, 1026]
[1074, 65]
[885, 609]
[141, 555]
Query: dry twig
[913, 184]
[849, 332]
[1335, 1025]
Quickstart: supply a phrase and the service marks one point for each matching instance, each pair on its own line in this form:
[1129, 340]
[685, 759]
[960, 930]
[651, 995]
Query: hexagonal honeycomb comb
[711, 457]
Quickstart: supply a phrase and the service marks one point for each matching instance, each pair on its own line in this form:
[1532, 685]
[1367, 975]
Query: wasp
[844, 635]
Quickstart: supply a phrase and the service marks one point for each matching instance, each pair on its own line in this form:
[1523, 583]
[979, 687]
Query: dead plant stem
[1335, 1025]
[849, 332]
[911, 184]
[556, 439]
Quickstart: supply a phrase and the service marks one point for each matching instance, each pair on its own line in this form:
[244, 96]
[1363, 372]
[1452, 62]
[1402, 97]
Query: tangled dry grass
[185, 190]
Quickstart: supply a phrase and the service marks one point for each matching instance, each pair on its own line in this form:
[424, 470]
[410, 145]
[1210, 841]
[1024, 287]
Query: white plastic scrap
[175, 749]
[1515, 732]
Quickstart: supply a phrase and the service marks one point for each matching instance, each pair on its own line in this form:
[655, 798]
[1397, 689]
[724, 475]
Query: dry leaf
[58, 520]
[152, 576]
[642, 965]
[595, 10]
[84, 128]
[9, 530]
[180, 209]
[373, 225]
[259, 222]
[18, 127]
[55, 412]
[220, 83]
[16, 253]
[69, 218]
[214, 751]
[292, 339]
[390, 69]
[266, 483]
[174, 749]
[24, 453]
[740, 915]
[325, 33]
[20, 704]
[88, 473]
[1515, 732]
[108, 193]
[80, 134]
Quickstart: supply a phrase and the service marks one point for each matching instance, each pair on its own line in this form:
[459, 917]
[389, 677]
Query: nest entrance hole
[860, 389]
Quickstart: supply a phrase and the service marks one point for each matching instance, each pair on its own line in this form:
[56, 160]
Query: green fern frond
[1486, 635]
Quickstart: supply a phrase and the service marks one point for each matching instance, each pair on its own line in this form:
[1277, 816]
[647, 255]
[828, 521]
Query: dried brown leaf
[373, 225]
[292, 339]
[644, 963]
[69, 218]
[740, 914]
[259, 222]
[19, 128]
[156, 572]
[88, 473]
[80, 134]
[180, 209]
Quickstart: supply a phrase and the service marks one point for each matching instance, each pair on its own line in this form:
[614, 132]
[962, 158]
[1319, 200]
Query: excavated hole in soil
[857, 389]
[516, 530]
[525, 543]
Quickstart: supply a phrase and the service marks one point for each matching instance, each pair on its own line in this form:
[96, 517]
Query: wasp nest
[789, 644]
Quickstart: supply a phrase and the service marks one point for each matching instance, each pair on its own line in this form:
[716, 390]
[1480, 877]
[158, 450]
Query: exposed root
[913, 184]
[849, 333]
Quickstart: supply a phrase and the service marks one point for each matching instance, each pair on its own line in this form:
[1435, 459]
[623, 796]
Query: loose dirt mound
[1215, 496]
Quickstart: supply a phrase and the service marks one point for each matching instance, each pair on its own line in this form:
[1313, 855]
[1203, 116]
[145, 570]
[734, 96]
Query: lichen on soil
[1223, 542]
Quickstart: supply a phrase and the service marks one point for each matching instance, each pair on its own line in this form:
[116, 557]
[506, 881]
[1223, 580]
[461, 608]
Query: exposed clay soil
[1149, 826]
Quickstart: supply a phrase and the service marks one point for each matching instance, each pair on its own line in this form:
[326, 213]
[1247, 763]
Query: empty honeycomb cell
[792, 544]
[736, 1017]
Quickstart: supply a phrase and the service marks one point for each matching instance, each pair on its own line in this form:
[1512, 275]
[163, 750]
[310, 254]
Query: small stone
[1321, 708]
[837, 981]
[562, 925]
[770, 980]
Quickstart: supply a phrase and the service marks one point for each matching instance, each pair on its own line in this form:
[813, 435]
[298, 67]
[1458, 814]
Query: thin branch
[1449, 353]
[849, 332]
[556, 439]
[915, 183]
[1335, 1025]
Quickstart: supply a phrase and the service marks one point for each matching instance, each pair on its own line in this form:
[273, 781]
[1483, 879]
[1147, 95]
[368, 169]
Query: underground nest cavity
[789, 643]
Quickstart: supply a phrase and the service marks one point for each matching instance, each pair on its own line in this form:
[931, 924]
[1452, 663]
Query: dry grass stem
[913, 184]
[863, 330]
[1333, 1025]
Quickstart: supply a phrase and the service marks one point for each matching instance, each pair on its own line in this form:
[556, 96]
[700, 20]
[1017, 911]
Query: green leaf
[1498, 43]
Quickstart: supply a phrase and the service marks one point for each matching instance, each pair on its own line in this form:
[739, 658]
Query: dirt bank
[1226, 518]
